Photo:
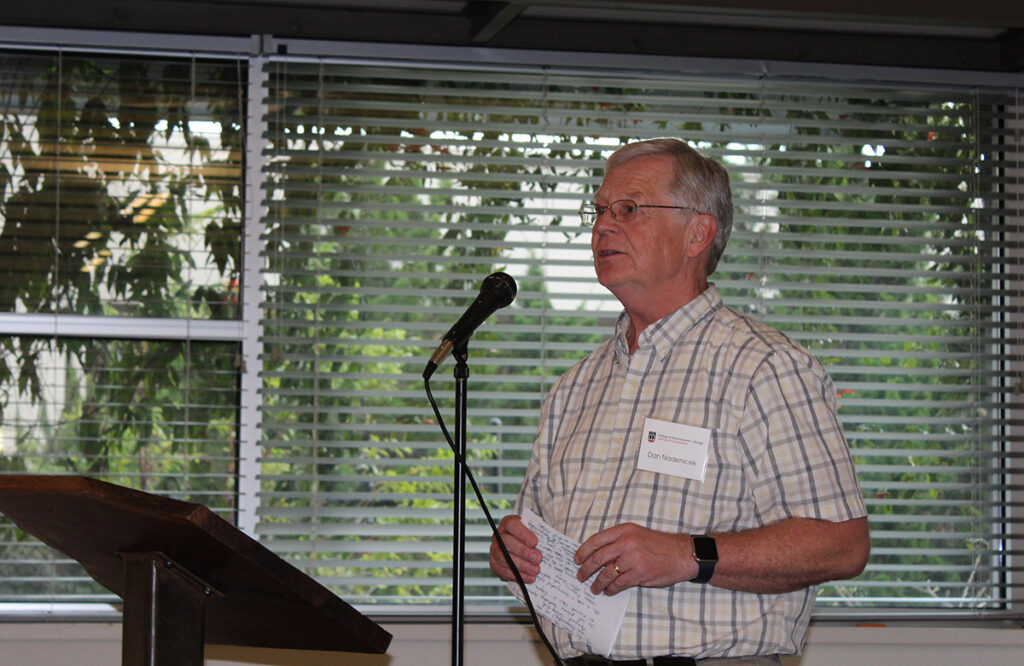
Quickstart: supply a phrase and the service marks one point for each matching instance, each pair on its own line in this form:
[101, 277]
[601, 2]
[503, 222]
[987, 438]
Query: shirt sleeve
[530, 493]
[803, 463]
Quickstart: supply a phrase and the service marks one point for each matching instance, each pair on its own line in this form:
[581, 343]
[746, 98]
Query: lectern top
[263, 601]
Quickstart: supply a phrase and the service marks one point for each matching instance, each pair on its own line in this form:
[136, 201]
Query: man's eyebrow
[631, 196]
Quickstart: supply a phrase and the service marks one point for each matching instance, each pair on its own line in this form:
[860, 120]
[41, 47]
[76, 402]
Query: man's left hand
[629, 555]
[777, 558]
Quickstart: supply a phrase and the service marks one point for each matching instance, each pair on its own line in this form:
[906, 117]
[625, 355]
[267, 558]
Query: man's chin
[616, 286]
[609, 277]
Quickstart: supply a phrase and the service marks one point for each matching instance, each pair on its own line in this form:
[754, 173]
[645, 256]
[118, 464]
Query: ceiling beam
[1013, 51]
[490, 18]
[518, 24]
[959, 53]
[237, 18]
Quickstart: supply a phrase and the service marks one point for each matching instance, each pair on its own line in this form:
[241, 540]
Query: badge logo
[651, 435]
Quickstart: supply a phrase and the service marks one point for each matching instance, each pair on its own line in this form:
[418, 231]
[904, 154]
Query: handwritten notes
[566, 602]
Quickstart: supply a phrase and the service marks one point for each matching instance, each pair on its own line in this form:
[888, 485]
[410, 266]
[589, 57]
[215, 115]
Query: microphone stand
[461, 374]
[462, 474]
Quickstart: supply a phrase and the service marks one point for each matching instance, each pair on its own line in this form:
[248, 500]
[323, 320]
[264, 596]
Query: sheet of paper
[566, 602]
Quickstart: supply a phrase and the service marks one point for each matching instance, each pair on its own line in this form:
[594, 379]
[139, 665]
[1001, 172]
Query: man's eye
[628, 208]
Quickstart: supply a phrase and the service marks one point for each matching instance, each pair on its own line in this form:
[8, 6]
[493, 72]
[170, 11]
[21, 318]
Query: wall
[86, 644]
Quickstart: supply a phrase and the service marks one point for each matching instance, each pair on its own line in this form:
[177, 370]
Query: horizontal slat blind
[107, 410]
[120, 186]
[881, 228]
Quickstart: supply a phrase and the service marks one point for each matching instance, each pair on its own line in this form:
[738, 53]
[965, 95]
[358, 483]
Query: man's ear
[702, 235]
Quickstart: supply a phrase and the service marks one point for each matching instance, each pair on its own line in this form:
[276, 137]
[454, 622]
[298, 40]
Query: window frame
[171, 329]
[259, 49]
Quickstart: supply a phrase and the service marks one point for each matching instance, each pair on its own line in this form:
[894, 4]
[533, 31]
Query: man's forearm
[791, 555]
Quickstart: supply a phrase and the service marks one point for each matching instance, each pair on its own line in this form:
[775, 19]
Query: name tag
[674, 448]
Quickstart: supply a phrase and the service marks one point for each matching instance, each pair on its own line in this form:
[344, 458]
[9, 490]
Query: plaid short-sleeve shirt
[777, 451]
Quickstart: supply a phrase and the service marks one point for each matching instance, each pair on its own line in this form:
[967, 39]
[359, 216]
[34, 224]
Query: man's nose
[605, 220]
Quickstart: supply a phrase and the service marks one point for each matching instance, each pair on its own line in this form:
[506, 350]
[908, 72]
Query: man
[778, 499]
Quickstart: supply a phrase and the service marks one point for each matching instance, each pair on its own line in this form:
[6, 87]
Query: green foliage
[900, 339]
[112, 203]
[452, 187]
[403, 218]
[391, 194]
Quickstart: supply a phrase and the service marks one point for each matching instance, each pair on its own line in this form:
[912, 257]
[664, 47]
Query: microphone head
[501, 287]
[496, 291]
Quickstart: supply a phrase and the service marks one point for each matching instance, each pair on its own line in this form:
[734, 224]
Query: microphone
[496, 291]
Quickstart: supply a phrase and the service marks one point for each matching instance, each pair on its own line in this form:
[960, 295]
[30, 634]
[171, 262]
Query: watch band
[705, 552]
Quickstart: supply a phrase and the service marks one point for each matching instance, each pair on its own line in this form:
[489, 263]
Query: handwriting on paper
[566, 602]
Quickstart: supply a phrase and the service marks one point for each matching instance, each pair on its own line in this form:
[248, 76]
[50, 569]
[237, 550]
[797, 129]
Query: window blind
[120, 233]
[120, 180]
[878, 226]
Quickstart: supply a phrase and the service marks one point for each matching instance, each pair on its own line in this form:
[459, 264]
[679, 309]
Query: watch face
[704, 548]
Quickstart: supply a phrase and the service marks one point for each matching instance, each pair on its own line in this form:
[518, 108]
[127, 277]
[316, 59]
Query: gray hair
[700, 182]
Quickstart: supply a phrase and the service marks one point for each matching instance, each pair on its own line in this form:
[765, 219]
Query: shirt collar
[663, 334]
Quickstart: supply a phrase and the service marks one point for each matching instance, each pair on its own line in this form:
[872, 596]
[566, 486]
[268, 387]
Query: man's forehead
[639, 176]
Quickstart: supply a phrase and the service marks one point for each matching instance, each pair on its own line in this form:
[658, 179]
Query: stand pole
[461, 374]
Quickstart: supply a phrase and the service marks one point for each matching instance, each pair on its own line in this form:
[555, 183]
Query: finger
[526, 560]
[598, 551]
[596, 541]
[503, 570]
[601, 558]
[598, 560]
[520, 542]
[513, 525]
[609, 581]
[499, 564]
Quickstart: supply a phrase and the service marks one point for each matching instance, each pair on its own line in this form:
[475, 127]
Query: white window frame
[257, 48]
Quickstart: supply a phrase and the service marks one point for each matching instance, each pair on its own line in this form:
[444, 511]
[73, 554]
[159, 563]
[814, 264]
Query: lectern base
[164, 612]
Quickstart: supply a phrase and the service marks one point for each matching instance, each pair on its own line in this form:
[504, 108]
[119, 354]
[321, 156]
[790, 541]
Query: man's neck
[648, 311]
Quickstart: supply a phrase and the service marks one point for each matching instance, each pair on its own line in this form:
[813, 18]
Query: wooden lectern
[186, 576]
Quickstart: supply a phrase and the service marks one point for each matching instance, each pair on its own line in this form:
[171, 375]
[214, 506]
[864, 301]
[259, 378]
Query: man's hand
[784, 556]
[521, 543]
[631, 556]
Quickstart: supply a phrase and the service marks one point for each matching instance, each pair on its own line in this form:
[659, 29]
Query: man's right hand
[521, 543]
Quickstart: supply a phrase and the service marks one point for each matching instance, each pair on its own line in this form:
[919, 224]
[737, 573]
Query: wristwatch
[706, 554]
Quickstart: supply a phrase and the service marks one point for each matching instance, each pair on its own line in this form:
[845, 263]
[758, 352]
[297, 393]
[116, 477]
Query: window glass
[870, 226]
[120, 198]
[120, 185]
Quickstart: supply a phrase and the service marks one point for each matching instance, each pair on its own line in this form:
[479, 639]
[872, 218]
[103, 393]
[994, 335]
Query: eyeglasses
[623, 210]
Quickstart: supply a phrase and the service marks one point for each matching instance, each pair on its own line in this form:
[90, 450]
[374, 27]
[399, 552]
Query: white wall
[88, 644]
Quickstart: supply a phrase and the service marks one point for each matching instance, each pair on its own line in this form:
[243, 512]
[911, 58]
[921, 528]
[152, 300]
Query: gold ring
[615, 565]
